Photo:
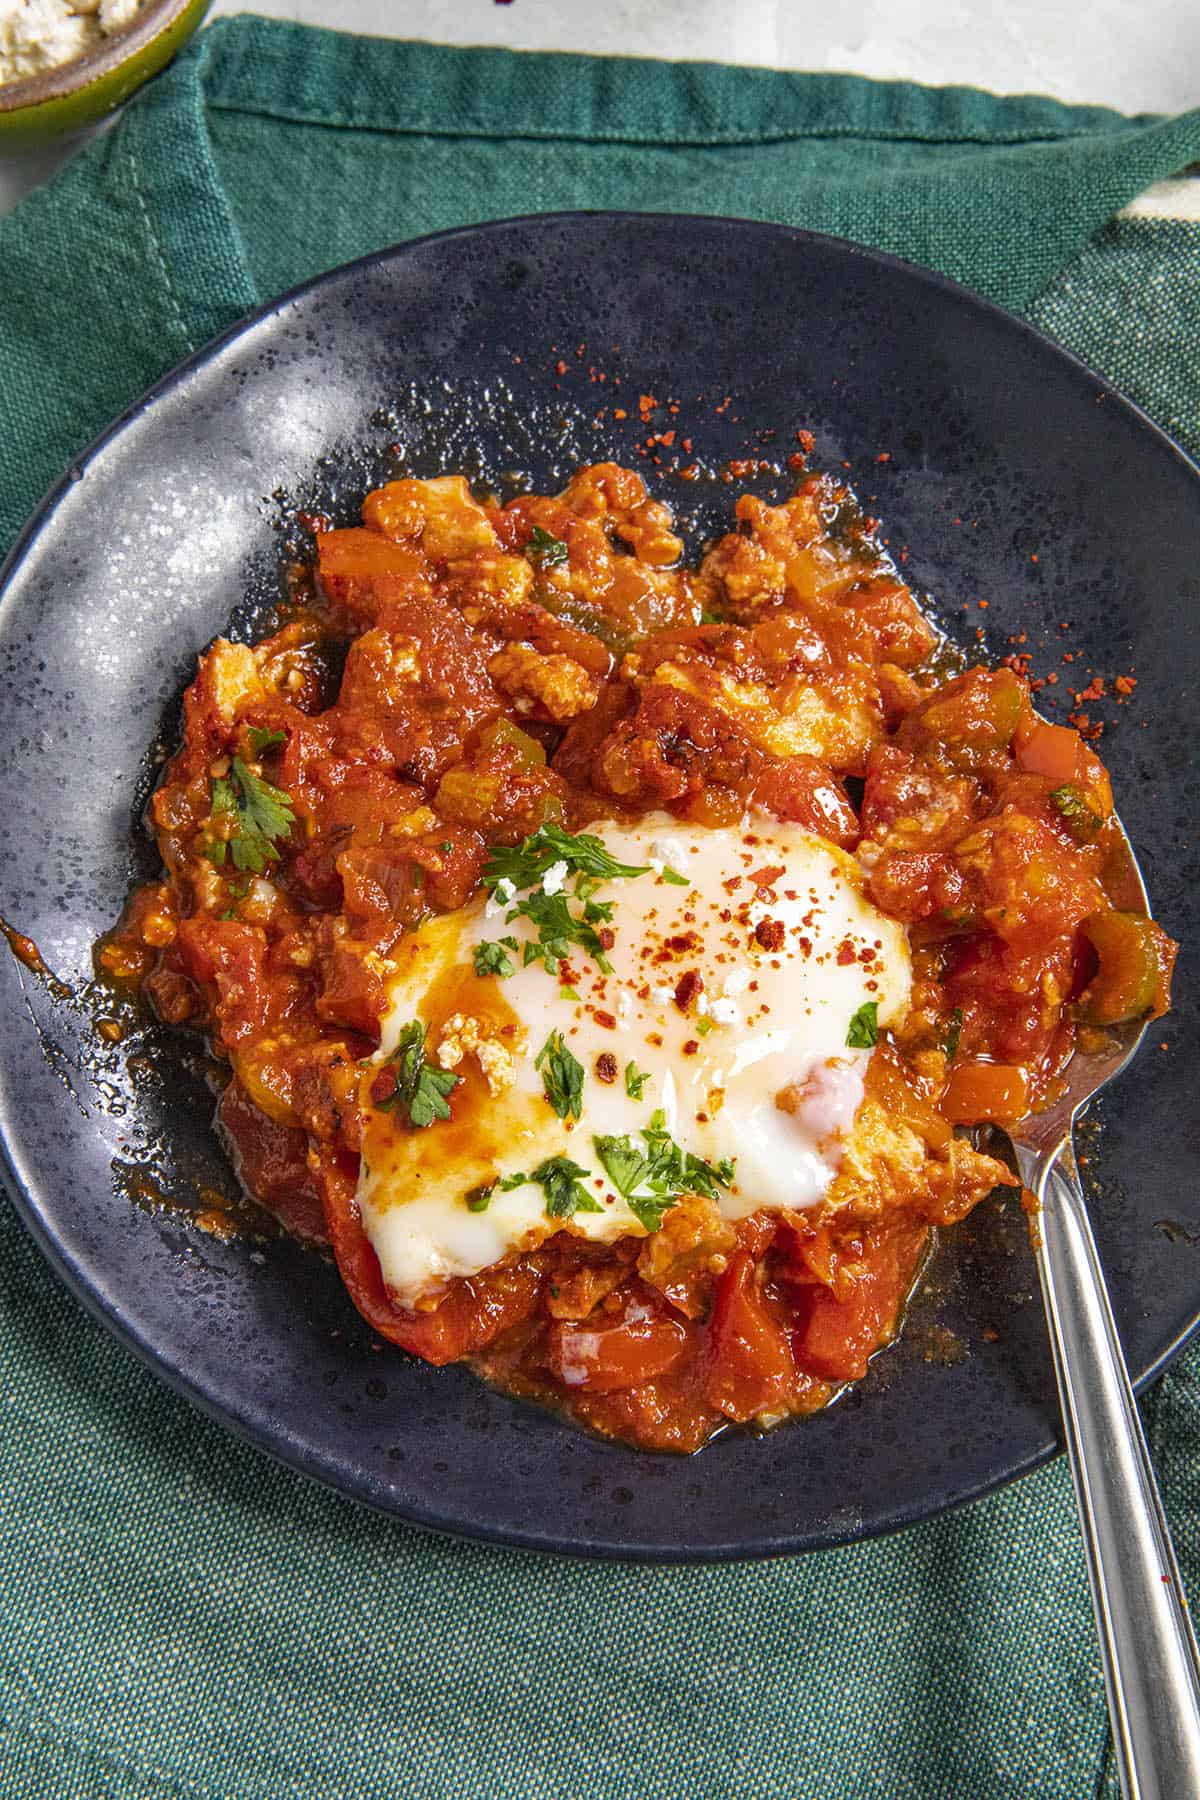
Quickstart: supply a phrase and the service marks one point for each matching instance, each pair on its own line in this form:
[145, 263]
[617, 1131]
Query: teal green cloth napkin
[178, 1616]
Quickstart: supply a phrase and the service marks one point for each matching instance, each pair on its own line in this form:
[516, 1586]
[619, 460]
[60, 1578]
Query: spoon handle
[1151, 1665]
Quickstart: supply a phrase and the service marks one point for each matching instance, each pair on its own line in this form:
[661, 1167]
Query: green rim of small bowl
[56, 101]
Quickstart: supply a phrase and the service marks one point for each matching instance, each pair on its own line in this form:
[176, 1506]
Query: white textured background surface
[1136, 55]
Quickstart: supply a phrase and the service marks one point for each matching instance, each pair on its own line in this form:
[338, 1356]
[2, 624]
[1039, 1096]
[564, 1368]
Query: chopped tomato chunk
[751, 1364]
[272, 1161]
[601, 1357]
[839, 1335]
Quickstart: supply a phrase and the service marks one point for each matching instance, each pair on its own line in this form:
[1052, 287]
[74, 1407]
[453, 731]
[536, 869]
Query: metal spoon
[1148, 1648]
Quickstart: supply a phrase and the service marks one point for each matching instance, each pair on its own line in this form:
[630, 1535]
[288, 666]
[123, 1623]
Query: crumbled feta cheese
[43, 34]
[736, 982]
[667, 853]
[500, 898]
[553, 879]
[725, 1012]
[462, 1036]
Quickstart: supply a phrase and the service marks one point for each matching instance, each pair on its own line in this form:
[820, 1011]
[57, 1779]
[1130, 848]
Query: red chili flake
[560, 367]
[808, 442]
[884, 456]
[1094, 690]
[983, 605]
[606, 1067]
[846, 953]
[1125, 685]
[646, 404]
[1033, 558]
[691, 1047]
[767, 876]
[690, 472]
[1052, 678]
[605, 1020]
[685, 445]
[684, 940]
[687, 987]
[383, 1086]
[619, 412]
[769, 934]
[667, 438]
[607, 936]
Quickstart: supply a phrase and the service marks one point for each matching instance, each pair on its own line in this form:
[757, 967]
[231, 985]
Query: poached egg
[747, 975]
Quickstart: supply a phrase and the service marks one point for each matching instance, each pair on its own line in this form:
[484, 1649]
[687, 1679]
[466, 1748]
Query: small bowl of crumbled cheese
[65, 63]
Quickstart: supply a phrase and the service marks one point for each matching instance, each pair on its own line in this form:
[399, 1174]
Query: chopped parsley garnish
[477, 1198]
[670, 1165]
[263, 819]
[864, 1027]
[635, 1081]
[525, 864]
[510, 869]
[1082, 822]
[544, 550]
[650, 1181]
[559, 1179]
[557, 929]
[262, 740]
[624, 1163]
[420, 1087]
[650, 1209]
[492, 958]
[952, 1034]
[562, 1077]
[703, 1026]
[674, 877]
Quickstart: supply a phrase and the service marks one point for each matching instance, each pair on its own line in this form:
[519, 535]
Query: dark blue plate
[1004, 471]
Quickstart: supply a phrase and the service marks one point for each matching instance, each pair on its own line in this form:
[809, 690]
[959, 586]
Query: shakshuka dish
[610, 959]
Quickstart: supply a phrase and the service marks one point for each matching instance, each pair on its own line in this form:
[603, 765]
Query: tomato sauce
[469, 673]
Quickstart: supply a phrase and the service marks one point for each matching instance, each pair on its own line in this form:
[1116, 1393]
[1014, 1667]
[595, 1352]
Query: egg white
[787, 948]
